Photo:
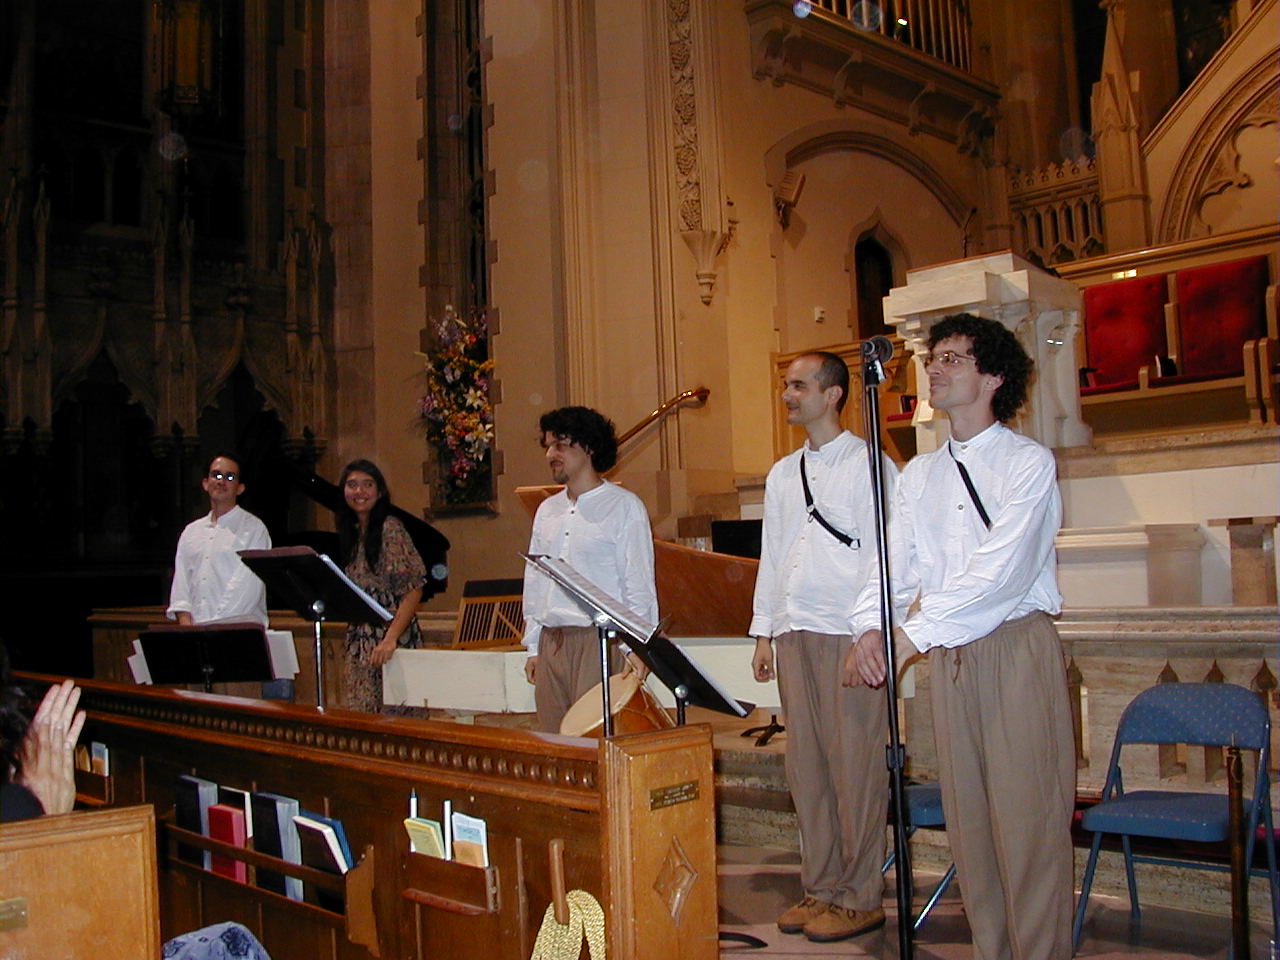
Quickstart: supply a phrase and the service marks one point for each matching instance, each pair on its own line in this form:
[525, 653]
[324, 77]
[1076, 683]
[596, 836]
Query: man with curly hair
[971, 539]
[603, 532]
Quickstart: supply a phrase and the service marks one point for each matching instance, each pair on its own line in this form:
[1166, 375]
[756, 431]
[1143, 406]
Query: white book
[470, 840]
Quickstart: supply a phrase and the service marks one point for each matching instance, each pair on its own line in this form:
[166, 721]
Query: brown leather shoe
[795, 919]
[837, 923]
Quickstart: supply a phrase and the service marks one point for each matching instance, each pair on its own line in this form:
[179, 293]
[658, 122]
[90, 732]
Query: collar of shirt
[974, 446]
[833, 448]
[230, 517]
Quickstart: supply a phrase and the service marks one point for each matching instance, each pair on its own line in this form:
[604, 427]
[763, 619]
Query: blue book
[316, 822]
[324, 847]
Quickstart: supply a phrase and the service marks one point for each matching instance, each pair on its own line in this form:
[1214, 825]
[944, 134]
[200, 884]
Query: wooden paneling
[88, 882]
[530, 789]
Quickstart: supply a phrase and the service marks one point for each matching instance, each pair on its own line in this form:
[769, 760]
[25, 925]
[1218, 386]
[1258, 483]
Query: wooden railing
[939, 28]
[698, 395]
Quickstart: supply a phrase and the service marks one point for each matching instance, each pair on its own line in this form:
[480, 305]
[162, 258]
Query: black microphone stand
[875, 352]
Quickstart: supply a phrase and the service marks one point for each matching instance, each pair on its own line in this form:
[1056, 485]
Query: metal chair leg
[1085, 885]
[938, 891]
[1135, 910]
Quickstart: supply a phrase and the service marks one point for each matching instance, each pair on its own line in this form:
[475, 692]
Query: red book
[226, 823]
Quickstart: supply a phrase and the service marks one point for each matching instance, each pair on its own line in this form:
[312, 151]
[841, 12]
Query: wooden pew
[80, 886]
[635, 815]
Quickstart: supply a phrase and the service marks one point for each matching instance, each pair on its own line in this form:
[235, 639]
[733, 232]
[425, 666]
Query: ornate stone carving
[704, 241]
[1209, 164]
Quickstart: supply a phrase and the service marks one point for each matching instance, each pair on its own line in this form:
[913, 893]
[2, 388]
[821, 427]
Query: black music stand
[316, 589]
[671, 665]
[206, 653]
[876, 352]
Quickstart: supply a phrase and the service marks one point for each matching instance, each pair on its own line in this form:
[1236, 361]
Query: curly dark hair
[15, 716]
[349, 524]
[998, 353]
[834, 372]
[592, 431]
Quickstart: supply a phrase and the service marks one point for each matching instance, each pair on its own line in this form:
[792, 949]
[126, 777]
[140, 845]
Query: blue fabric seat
[1196, 714]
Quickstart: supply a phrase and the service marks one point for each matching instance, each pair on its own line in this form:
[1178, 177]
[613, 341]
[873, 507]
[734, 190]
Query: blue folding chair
[924, 809]
[1198, 714]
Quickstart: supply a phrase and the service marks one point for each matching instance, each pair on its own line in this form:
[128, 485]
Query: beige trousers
[1006, 759]
[835, 760]
[568, 666]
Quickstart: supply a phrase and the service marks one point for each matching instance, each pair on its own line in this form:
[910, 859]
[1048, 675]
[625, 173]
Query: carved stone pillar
[1118, 131]
[1041, 309]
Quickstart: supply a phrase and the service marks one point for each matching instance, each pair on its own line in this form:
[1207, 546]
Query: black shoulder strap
[814, 514]
[968, 485]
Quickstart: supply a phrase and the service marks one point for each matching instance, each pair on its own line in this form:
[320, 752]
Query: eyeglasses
[219, 475]
[948, 358]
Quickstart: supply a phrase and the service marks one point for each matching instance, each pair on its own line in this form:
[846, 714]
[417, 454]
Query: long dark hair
[349, 523]
[14, 720]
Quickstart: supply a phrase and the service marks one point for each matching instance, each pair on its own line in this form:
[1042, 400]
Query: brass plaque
[13, 914]
[670, 796]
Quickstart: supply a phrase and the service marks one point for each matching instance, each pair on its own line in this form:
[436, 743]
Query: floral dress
[400, 569]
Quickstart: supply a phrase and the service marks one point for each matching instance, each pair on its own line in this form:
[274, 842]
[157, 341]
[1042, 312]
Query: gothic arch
[841, 136]
[1209, 164]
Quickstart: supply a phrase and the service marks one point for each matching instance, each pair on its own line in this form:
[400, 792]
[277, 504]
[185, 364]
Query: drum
[634, 709]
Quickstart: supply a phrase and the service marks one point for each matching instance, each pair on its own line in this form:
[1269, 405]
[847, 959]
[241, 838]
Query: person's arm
[998, 574]
[180, 590]
[763, 664]
[761, 626]
[634, 552]
[762, 667]
[405, 575]
[531, 600]
[864, 661]
[866, 608]
[406, 610]
[48, 751]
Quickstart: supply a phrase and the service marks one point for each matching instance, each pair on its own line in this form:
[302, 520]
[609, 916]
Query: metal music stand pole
[317, 610]
[606, 633]
[875, 352]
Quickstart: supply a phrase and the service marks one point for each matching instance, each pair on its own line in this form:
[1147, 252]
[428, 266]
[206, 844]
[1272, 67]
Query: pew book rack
[630, 820]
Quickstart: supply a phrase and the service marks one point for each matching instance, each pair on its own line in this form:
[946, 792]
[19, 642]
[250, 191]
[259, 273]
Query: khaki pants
[836, 769]
[1006, 759]
[568, 666]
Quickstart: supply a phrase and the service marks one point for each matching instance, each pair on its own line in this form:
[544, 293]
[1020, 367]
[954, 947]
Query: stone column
[1042, 310]
[1253, 559]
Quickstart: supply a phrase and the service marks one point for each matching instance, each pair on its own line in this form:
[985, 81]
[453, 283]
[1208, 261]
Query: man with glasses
[817, 588]
[210, 582]
[971, 540]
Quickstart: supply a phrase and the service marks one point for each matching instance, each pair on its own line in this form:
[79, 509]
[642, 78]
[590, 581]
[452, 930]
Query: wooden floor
[756, 884]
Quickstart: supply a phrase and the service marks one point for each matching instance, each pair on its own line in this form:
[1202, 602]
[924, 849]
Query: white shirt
[970, 579]
[807, 579]
[209, 581]
[605, 536]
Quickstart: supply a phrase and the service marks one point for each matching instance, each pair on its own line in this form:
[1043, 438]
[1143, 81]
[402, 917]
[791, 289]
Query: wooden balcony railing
[940, 28]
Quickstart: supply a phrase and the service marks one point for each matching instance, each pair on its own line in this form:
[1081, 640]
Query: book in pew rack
[275, 834]
[227, 823]
[324, 847]
[192, 797]
[235, 797]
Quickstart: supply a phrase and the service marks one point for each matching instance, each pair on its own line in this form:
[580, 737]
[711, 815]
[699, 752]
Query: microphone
[878, 349]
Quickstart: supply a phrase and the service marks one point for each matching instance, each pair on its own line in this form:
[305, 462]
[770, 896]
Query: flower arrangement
[456, 409]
